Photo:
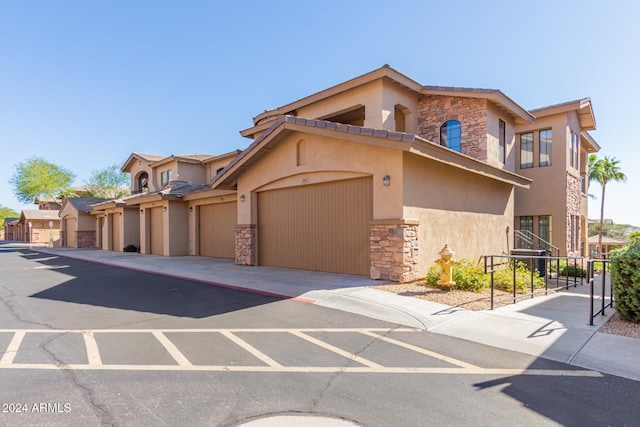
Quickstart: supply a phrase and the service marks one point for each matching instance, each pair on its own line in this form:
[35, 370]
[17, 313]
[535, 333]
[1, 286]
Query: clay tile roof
[149, 157]
[40, 214]
[84, 204]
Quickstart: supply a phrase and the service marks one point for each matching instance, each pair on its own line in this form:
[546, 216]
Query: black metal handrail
[533, 241]
[592, 296]
[534, 263]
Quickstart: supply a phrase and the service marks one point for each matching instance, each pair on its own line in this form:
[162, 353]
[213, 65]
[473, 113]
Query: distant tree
[6, 213]
[35, 178]
[634, 236]
[603, 171]
[108, 183]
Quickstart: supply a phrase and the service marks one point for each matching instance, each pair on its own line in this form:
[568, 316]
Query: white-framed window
[546, 137]
[526, 150]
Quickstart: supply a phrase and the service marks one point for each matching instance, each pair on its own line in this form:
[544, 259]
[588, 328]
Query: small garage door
[321, 227]
[70, 232]
[217, 230]
[115, 232]
[156, 231]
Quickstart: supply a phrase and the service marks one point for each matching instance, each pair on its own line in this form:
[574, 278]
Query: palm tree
[603, 171]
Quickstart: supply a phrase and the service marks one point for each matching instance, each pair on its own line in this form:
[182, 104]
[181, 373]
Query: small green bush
[625, 280]
[503, 278]
[470, 276]
[130, 248]
[572, 270]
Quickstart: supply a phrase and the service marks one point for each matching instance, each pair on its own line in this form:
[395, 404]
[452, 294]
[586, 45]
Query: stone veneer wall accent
[435, 110]
[87, 239]
[574, 201]
[394, 251]
[246, 244]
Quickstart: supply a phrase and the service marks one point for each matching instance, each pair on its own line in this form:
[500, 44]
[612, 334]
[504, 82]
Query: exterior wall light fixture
[242, 198]
[386, 180]
[190, 208]
[164, 209]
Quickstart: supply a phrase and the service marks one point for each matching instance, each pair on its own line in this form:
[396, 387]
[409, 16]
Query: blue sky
[85, 83]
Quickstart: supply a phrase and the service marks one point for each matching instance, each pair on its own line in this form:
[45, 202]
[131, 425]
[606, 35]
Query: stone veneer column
[86, 239]
[394, 250]
[574, 205]
[246, 244]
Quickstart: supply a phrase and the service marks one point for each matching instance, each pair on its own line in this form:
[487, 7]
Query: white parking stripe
[93, 353]
[12, 349]
[422, 350]
[251, 349]
[313, 369]
[337, 350]
[172, 349]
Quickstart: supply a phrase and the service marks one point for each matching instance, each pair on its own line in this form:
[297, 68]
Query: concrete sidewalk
[553, 327]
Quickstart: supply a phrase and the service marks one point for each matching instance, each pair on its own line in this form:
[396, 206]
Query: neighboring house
[553, 152]
[159, 218]
[608, 244]
[78, 226]
[38, 226]
[9, 226]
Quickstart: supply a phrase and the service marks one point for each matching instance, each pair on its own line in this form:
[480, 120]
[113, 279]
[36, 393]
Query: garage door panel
[70, 231]
[157, 231]
[322, 227]
[217, 230]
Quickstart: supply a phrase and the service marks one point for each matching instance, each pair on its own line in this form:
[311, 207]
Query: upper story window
[502, 141]
[545, 147]
[166, 176]
[526, 150]
[450, 135]
[143, 182]
[576, 151]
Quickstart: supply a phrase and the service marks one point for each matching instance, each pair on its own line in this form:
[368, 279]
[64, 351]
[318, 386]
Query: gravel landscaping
[482, 301]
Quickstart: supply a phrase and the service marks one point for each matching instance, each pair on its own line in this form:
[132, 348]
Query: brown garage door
[70, 232]
[156, 231]
[217, 230]
[115, 233]
[321, 227]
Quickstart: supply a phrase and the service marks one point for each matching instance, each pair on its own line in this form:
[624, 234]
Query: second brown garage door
[217, 230]
[321, 227]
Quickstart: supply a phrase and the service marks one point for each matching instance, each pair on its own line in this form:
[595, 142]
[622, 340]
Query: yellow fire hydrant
[446, 263]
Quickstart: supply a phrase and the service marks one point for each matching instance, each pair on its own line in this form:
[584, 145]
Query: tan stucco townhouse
[375, 175]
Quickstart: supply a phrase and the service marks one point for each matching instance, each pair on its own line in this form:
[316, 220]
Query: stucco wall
[137, 168]
[548, 192]
[493, 139]
[326, 159]
[190, 172]
[468, 212]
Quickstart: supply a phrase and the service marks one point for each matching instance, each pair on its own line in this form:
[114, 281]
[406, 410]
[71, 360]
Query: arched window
[450, 135]
[143, 182]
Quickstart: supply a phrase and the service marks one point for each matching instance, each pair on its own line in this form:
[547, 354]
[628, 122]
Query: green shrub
[130, 248]
[468, 276]
[625, 280]
[572, 270]
[503, 278]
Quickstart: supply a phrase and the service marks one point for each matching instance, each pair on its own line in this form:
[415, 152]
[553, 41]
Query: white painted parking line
[337, 350]
[93, 353]
[12, 349]
[251, 349]
[177, 355]
[183, 364]
[422, 350]
[313, 369]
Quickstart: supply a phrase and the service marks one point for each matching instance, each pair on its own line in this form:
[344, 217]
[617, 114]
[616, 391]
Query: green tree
[603, 171]
[37, 178]
[634, 237]
[108, 183]
[6, 213]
